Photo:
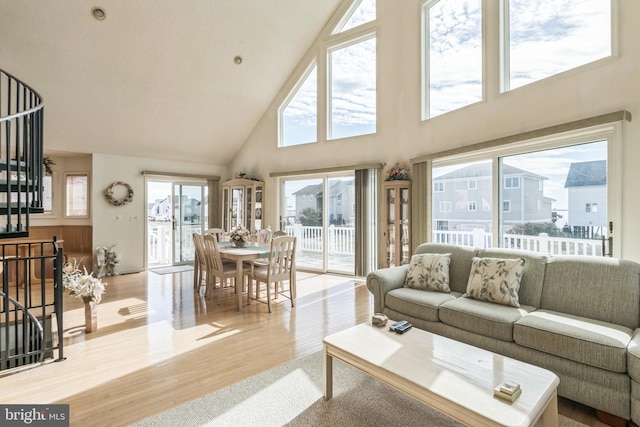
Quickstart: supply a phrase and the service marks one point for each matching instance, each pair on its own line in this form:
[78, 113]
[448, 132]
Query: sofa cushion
[418, 303]
[592, 342]
[605, 289]
[480, 317]
[461, 259]
[532, 276]
[495, 280]
[429, 272]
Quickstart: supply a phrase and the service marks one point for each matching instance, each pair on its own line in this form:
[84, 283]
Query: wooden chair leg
[269, 297]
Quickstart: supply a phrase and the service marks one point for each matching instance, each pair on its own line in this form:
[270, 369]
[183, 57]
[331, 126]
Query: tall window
[453, 55]
[547, 37]
[348, 91]
[77, 195]
[554, 196]
[353, 89]
[299, 118]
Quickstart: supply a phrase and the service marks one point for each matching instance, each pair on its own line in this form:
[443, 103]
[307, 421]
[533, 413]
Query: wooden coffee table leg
[550, 414]
[328, 375]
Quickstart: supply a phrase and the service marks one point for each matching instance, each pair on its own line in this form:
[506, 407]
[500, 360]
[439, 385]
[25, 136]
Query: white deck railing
[540, 243]
[341, 241]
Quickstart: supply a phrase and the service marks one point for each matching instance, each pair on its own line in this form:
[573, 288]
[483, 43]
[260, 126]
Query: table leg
[328, 375]
[239, 283]
[550, 414]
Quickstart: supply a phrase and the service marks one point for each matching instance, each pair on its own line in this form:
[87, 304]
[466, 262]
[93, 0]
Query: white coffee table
[452, 377]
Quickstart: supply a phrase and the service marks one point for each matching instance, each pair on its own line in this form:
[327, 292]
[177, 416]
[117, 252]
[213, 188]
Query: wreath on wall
[108, 193]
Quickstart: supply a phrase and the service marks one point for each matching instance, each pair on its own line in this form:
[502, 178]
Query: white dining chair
[280, 268]
[216, 269]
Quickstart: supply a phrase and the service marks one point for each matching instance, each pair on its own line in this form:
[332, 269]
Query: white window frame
[426, 83]
[67, 175]
[445, 207]
[511, 180]
[472, 206]
[352, 41]
[506, 206]
[472, 184]
[611, 132]
[292, 94]
[438, 187]
[505, 57]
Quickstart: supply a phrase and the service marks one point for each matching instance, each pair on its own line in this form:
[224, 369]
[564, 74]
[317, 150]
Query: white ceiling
[156, 78]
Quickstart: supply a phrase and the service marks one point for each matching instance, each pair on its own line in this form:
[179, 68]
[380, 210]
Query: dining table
[248, 252]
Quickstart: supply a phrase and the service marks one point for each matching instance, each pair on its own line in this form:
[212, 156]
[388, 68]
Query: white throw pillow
[495, 280]
[429, 272]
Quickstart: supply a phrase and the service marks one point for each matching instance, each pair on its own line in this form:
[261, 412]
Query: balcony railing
[541, 243]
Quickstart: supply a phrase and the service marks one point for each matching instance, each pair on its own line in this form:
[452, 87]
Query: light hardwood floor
[158, 345]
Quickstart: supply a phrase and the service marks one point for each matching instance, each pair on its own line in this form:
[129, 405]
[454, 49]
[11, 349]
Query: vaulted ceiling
[156, 78]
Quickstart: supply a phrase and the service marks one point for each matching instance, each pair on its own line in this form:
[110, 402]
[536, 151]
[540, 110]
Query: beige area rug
[291, 395]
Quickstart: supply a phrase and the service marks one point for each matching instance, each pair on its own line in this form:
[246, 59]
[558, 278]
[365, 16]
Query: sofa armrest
[633, 356]
[379, 282]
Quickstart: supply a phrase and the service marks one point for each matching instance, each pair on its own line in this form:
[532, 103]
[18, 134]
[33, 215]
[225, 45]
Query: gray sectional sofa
[579, 317]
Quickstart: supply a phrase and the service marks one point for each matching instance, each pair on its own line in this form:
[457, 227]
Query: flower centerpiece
[239, 235]
[399, 171]
[85, 286]
[81, 284]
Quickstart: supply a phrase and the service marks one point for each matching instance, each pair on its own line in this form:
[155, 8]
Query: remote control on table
[396, 325]
[404, 328]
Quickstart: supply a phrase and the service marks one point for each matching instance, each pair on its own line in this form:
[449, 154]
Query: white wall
[603, 87]
[113, 224]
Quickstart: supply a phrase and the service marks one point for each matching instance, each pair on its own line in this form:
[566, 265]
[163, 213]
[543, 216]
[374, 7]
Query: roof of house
[583, 174]
[316, 189]
[483, 169]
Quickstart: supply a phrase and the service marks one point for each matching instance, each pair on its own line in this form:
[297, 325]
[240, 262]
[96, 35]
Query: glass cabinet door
[397, 211]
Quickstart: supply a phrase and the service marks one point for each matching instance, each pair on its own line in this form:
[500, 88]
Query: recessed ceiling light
[98, 13]
[238, 59]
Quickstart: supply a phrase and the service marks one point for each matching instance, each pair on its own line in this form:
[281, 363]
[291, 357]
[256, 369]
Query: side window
[76, 195]
[452, 56]
[299, 117]
[547, 37]
[352, 86]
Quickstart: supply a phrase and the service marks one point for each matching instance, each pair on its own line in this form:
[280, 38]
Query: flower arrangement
[399, 171]
[239, 235]
[108, 260]
[81, 284]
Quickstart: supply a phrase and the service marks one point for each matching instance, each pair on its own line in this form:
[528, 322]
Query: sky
[547, 37]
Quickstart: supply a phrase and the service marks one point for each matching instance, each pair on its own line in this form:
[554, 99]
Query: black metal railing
[31, 311]
[21, 155]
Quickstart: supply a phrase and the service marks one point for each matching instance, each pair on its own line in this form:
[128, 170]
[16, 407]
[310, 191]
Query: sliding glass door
[175, 210]
[320, 211]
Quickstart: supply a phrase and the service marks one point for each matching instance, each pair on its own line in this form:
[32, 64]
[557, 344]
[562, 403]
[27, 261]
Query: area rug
[292, 395]
[171, 269]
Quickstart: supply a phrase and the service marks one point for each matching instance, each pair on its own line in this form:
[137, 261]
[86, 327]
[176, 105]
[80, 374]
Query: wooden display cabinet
[242, 204]
[395, 222]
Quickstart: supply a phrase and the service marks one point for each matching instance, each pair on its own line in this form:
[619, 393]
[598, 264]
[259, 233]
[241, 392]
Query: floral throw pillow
[429, 272]
[495, 280]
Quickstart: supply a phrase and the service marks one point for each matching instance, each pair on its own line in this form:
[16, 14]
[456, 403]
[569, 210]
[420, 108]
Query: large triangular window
[361, 12]
[299, 117]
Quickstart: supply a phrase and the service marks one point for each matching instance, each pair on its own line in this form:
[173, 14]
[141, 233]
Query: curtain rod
[326, 170]
[532, 134]
[183, 175]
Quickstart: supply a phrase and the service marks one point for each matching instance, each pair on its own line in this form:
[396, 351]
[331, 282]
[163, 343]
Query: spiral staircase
[31, 294]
